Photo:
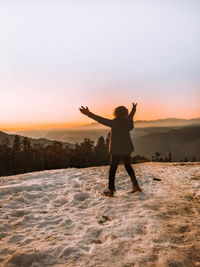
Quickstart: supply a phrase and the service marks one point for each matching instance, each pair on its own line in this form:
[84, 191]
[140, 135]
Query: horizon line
[32, 126]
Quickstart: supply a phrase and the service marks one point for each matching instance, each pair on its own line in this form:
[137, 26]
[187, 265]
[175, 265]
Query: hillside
[182, 143]
[4, 137]
[169, 122]
[60, 218]
[74, 136]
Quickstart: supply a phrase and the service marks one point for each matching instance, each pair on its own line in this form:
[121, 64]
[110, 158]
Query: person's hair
[120, 112]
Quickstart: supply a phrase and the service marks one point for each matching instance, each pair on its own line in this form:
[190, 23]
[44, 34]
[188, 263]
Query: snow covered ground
[61, 218]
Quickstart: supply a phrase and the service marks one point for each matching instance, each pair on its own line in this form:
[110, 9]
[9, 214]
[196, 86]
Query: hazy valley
[177, 136]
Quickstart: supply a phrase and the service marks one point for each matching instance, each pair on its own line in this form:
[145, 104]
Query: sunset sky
[58, 55]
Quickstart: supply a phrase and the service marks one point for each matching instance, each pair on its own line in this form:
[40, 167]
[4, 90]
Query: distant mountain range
[94, 130]
[169, 122]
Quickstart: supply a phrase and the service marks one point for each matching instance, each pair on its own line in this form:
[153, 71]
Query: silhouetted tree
[86, 152]
[193, 159]
[16, 155]
[38, 160]
[27, 155]
[101, 154]
[74, 159]
[5, 160]
[55, 156]
[17, 144]
[156, 156]
[26, 145]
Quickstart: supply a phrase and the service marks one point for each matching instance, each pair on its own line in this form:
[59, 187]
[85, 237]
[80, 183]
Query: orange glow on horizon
[29, 126]
[76, 124]
[146, 111]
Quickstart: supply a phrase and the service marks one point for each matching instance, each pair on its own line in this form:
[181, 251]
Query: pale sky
[58, 55]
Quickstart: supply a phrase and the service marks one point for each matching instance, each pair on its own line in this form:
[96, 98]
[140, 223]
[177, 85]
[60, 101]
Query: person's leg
[129, 169]
[113, 167]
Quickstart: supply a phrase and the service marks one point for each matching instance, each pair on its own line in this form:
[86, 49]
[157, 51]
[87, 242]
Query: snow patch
[61, 218]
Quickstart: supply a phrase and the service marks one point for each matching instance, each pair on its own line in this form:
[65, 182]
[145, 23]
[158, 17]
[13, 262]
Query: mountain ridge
[9, 139]
[182, 142]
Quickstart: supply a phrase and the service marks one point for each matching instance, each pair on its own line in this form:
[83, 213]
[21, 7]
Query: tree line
[23, 157]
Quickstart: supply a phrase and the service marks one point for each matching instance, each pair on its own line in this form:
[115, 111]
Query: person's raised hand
[85, 110]
[134, 106]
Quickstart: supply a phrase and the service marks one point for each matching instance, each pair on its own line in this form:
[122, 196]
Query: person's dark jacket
[120, 140]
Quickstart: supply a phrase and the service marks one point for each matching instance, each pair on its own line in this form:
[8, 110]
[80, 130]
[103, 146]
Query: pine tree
[17, 144]
[26, 144]
[16, 155]
[38, 160]
[55, 156]
[27, 155]
[156, 156]
[4, 160]
[101, 152]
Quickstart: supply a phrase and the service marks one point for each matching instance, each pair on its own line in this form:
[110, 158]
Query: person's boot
[109, 193]
[136, 188]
